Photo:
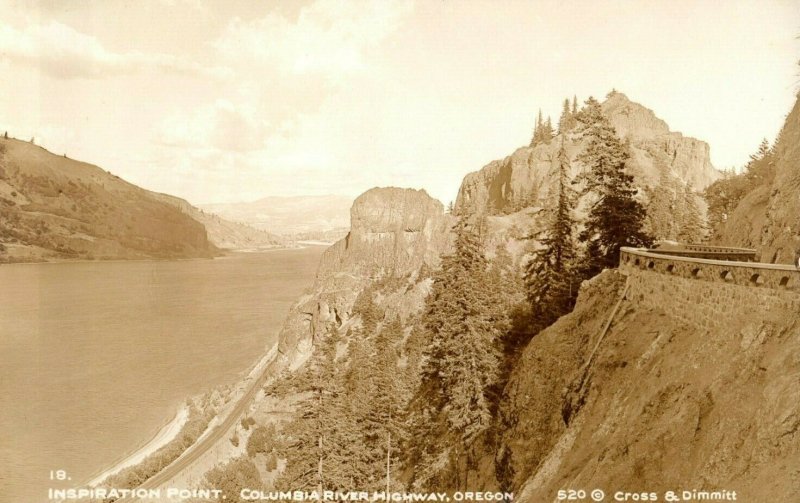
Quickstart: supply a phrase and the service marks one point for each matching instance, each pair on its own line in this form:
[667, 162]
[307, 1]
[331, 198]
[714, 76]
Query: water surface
[96, 356]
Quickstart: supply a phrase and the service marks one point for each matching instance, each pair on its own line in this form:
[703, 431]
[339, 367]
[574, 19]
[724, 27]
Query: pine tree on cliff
[537, 130]
[542, 132]
[315, 454]
[565, 121]
[550, 276]
[462, 360]
[616, 219]
[547, 133]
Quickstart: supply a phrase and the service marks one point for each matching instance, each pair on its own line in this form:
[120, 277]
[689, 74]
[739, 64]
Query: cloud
[62, 52]
[328, 38]
[285, 70]
[221, 125]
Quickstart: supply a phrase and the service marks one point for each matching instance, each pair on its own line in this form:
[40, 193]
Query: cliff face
[527, 177]
[393, 232]
[52, 207]
[691, 388]
[781, 232]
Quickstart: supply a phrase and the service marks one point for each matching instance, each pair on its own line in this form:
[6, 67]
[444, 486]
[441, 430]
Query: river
[96, 356]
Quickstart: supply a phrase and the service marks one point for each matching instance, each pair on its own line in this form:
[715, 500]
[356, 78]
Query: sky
[230, 101]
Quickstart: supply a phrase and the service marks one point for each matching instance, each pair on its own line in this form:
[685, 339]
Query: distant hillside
[226, 234]
[310, 217]
[52, 207]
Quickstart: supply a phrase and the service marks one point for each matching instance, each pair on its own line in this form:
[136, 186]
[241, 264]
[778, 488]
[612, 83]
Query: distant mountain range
[56, 208]
[323, 218]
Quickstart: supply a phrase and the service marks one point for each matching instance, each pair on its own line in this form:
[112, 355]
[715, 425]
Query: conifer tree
[550, 275]
[537, 130]
[316, 457]
[565, 121]
[661, 207]
[461, 362]
[693, 228]
[542, 132]
[616, 219]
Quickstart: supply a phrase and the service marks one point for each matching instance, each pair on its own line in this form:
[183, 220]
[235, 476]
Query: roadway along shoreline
[196, 450]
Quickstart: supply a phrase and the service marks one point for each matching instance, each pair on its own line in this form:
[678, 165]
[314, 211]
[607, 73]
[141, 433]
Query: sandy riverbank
[171, 430]
[165, 435]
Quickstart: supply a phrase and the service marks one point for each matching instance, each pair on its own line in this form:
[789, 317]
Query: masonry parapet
[694, 264]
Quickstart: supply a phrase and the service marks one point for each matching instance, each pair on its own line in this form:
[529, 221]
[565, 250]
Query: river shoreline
[170, 430]
[163, 436]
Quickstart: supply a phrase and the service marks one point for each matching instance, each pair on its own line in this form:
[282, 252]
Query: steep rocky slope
[667, 404]
[691, 388]
[660, 159]
[766, 214]
[781, 234]
[226, 234]
[393, 232]
[744, 227]
[52, 207]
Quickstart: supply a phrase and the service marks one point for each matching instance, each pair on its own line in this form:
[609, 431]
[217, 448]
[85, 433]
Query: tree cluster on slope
[673, 212]
[466, 325]
[542, 132]
[615, 219]
[724, 195]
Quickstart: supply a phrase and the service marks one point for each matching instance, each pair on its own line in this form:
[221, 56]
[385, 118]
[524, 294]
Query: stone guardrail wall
[706, 292]
[708, 252]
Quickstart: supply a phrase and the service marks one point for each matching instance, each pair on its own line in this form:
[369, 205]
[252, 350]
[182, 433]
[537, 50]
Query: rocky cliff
[781, 231]
[53, 208]
[527, 178]
[766, 199]
[393, 232]
[691, 388]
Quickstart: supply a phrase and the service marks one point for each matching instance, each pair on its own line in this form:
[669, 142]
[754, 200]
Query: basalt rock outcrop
[527, 178]
[393, 232]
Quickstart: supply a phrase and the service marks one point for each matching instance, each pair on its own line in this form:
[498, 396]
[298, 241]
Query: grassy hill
[53, 208]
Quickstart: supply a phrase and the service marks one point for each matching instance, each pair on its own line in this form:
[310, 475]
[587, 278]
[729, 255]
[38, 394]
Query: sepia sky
[225, 101]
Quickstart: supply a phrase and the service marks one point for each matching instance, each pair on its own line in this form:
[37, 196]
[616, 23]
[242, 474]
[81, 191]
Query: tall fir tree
[461, 361]
[564, 122]
[550, 275]
[693, 227]
[616, 219]
[316, 458]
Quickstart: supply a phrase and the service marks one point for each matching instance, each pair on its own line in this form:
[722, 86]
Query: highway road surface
[196, 450]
